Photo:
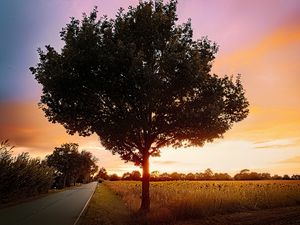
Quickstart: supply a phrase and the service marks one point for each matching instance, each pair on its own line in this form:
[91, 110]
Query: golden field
[183, 200]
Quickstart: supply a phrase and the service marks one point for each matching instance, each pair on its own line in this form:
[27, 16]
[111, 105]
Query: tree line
[208, 174]
[22, 176]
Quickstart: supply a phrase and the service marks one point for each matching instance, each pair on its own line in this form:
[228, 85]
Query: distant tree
[102, 174]
[208, 174]
[286, 177]
[126, 176]
[175, 176]
[190, 176]
[87, 166]
[245, 174]
[265, 176]
[70, 165]
[140, 82]
[135, 175]
[62, 159]
[244, 171]
[114, 177]
[164, 176]
[222, 176]
[276, 177]
[155, 175]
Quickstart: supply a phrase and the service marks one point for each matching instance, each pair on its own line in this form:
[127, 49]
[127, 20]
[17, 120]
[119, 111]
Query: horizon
[259, 41]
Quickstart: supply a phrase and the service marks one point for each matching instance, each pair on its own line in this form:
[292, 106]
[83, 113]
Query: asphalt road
[62, 208]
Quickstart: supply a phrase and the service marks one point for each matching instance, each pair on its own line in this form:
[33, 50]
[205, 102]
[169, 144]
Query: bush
[22, 176]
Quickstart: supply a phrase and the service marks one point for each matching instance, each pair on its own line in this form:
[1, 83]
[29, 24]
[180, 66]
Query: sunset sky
[259, 39]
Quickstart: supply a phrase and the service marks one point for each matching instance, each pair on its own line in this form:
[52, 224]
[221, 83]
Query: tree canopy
[71, 165]
[140, 82]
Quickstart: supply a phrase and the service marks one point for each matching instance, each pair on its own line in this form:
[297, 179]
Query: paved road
[61, 208]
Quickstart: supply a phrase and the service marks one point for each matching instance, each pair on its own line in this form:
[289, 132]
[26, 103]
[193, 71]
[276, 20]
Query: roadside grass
[105, 208]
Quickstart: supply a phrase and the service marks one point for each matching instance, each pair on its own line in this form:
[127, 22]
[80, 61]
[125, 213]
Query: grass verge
[105, 208]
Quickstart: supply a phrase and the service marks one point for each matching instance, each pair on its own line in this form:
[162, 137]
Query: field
[176, 201]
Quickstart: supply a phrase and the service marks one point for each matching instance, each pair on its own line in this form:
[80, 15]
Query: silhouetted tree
[295, 177]
[245, 174]
[244, 171]
[71, 165]
[208, 174]
[126, 176]
[222, 176]
[140, 82]
[135, 175]
[114, 177]
[175, 176]
[277, 177]
[155, 175]
[190, 176]
[87, 166]
[102, 174]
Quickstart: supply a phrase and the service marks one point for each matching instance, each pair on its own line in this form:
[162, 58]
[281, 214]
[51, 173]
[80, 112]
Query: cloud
[166, 162]
[24, 124]
[277, 144]
[293, 160]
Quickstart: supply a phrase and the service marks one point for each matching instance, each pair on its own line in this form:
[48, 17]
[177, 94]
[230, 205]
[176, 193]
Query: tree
[114, 177]
[62, 159]
[244, 171]
[208, 174]
[190, 176]
[71, 165]
[135, 175]
[140, 82]
[102, 174]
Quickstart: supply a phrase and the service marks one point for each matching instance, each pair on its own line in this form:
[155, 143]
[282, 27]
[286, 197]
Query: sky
[259, 39]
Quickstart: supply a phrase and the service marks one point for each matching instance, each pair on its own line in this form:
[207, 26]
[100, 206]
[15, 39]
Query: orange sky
[267, 55]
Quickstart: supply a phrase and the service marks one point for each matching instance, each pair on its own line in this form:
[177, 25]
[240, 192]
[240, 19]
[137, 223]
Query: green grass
[105, 208]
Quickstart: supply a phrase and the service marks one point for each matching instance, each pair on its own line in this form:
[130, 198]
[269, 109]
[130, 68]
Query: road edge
[85, 206]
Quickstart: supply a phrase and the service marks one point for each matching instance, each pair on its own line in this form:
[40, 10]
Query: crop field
[173, 201]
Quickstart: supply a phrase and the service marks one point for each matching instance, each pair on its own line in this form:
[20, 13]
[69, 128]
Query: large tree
[140, 82]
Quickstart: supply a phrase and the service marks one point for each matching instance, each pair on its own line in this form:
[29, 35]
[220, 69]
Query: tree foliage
[22, 176]
[140, 82]
[102, 174]
[71, 165]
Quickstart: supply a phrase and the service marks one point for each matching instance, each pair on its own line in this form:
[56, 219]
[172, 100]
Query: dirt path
[278, 216]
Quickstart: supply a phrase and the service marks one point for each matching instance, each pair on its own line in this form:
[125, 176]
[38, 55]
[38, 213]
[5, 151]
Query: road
[62, 208]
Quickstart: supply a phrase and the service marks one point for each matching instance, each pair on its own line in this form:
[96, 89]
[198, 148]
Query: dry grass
[180, 200]
[105, 208]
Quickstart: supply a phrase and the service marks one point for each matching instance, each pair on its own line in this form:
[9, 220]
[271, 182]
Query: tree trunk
[65, 180]
[145, 205]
